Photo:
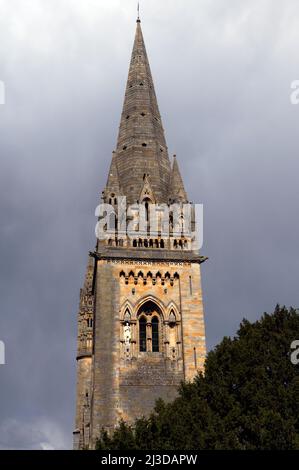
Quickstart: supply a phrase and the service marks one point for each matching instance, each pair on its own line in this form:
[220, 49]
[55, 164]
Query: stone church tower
[141, 320]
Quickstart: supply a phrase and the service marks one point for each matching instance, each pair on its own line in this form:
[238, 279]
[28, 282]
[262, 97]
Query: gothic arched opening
[149, 315]
[155, 334]
[142, 334]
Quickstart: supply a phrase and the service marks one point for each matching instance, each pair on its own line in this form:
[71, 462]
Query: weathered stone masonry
[141, 320]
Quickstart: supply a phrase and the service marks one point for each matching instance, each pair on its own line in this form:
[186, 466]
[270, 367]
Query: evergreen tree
[248, 397]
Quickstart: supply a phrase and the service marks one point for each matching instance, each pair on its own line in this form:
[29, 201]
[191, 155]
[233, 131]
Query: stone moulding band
[117, 259]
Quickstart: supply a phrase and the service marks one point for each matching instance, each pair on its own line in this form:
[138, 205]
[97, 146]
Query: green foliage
[247, 399]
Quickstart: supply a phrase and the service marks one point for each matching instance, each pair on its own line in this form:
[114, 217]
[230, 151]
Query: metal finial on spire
[138, 12]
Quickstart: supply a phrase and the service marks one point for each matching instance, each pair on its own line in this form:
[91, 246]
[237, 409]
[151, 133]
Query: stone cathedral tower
[141, 321]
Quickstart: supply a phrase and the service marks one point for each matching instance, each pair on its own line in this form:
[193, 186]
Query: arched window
[149, 314]
[147, 201]
[146, 210]
[155, 334]
[142, 334]
[182, 224]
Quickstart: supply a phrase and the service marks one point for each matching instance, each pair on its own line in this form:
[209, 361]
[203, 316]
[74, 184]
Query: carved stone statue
[127, 335]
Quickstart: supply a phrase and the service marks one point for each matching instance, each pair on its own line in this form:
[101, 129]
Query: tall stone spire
[141, 320]
[141, 146]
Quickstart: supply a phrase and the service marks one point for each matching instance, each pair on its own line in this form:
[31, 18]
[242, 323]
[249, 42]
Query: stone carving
[127, 337]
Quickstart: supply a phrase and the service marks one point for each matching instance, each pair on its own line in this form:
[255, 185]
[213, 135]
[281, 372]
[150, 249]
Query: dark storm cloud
[224, 100]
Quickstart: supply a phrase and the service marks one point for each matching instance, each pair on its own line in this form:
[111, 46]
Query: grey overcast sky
[222, 71]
